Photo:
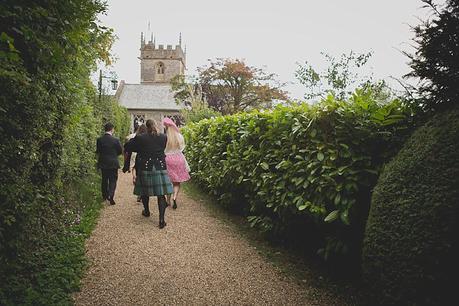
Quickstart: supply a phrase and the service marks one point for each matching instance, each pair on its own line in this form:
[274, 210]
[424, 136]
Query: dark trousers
[109, 178]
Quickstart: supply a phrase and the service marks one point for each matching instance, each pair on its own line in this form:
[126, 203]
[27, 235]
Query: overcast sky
[274, 34]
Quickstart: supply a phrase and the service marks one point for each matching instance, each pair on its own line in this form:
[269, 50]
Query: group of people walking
[159, 165]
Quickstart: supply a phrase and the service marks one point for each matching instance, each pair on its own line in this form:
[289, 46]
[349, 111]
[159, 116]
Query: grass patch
[308, 271]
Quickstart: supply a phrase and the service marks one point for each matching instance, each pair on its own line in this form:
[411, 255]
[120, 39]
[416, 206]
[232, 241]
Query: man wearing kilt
[152, 178]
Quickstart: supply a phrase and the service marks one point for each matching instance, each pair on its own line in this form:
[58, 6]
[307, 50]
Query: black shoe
[145, 213]
[139, 199]
[112, 202]
[162, 224]
[175, 205]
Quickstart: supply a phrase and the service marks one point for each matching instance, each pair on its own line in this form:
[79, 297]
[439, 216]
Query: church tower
[159, 64]
[154, 98]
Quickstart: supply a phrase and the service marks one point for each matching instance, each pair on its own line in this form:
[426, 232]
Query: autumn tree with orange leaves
[230, 86]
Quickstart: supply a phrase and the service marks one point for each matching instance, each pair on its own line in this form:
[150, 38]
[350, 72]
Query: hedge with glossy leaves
[302, 170]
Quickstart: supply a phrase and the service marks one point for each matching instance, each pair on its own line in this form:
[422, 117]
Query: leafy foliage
[411, 244]
[109, 110]
[341, 78]
[196, 107]
[303, 171]
[230, 86]
[48, 125]
[50, 274]
[435, 61]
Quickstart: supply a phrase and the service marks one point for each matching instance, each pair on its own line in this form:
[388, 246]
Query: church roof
[147, 96]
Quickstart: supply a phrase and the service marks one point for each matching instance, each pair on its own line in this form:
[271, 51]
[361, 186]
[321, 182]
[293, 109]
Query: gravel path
[195, 260]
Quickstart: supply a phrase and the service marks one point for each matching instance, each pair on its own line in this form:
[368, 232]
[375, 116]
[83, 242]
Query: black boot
[146, 206]
[175, 205]
[162, 204]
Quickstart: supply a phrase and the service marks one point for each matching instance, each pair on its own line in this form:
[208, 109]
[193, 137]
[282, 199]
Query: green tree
[340, 79]
[436, 60]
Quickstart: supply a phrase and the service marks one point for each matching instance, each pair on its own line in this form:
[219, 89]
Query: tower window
[160, 69]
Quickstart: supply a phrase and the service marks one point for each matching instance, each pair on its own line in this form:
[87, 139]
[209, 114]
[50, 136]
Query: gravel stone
[195, 260]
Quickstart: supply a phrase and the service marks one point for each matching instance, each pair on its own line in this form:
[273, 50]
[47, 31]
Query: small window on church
[138, 119]
[160, 68]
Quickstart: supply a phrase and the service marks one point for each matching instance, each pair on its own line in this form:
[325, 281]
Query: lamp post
[114, 82]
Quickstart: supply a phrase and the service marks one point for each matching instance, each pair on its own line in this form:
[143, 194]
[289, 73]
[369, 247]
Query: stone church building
[153, 97]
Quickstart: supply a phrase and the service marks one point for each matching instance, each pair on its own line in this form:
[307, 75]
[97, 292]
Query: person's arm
[134, 175]
[127, 161]
[127, 155]
[119, 149]
[132, 145]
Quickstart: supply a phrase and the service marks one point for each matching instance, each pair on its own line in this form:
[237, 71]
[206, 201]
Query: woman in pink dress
[177, 166]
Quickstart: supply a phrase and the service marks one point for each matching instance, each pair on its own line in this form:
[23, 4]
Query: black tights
[146, 201]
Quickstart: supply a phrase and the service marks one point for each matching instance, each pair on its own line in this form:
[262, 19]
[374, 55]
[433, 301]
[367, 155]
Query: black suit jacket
[108, 148]
[148, 147]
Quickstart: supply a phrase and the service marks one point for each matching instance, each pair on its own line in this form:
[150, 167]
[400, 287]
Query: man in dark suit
[108, 149]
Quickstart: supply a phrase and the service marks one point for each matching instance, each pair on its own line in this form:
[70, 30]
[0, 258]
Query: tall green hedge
[48, 126]
[109, 110]
[411, 240]
[303, 172]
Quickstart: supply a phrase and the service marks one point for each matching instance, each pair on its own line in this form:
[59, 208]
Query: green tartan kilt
[153, 183]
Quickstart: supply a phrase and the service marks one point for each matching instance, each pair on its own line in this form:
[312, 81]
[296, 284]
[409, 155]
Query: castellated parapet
[159, 64]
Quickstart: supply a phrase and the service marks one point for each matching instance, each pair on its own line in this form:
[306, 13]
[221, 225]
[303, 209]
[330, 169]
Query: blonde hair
[175, 140]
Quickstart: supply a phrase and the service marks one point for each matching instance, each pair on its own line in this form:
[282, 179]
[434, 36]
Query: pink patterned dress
[177, 166]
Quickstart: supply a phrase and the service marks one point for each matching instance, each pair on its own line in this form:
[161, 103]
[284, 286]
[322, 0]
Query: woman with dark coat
[151, 172]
